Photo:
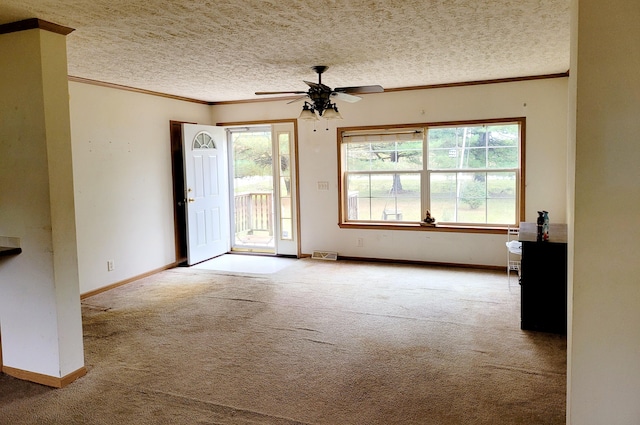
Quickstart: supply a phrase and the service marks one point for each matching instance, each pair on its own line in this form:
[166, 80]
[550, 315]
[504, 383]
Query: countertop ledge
[8, 250]
[9, 246]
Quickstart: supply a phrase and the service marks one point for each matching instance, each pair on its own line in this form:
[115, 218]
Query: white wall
[542, 102]
[123, 186]
[604, 368]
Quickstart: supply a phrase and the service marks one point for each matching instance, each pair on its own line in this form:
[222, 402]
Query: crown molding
[481, 82]
[279, 99]
[136, 90]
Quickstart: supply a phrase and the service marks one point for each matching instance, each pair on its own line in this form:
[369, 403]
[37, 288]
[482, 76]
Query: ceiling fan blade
[318, 86]
[345, 97]
[298, 99]
[280, 92]
[312, 85]
[360, 89]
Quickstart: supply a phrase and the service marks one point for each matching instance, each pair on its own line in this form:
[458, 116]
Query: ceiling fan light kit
[320, 96]
[308, 113]
[332, 113]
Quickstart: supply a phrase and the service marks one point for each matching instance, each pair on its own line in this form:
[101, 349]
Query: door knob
[191, 200]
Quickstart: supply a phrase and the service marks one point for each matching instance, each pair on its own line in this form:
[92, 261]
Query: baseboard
[38, 378]
[424, 263]
[124, 282]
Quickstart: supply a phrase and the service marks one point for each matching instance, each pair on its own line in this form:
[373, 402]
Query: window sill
[417, 227]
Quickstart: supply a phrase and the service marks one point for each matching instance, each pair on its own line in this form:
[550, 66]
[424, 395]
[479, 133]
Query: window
[203, 140]
[464, 173]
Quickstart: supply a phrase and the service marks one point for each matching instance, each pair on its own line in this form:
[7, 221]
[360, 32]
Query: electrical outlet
[360, 242]
[109, 265]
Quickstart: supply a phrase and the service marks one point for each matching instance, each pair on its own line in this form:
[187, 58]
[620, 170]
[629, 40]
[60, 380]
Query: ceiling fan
[321, 96]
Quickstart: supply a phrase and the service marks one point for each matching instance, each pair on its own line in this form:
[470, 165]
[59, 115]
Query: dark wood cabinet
[543, 279]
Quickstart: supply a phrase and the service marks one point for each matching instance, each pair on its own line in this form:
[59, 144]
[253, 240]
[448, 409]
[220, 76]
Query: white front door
[207, 192]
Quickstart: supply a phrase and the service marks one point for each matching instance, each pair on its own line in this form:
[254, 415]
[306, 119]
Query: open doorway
[253, 211]
[263, 200]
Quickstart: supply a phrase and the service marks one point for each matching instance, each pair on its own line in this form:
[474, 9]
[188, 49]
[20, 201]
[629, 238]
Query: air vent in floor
[325, 255]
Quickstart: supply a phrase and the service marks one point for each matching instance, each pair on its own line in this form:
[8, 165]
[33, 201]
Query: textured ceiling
[226, 50]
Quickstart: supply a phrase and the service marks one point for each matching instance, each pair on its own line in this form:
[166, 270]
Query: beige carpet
[315, 343]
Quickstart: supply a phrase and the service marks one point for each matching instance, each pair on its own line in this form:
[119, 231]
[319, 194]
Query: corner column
[40, 318]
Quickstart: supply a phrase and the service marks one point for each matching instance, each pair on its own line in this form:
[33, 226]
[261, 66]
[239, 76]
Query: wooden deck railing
[254, 211]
